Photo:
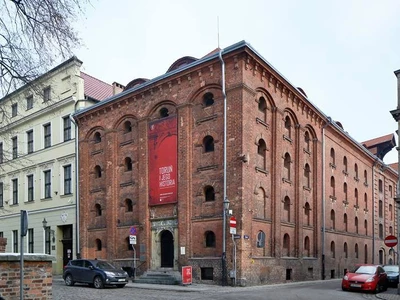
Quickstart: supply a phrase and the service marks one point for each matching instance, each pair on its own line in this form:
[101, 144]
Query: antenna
[218, 30]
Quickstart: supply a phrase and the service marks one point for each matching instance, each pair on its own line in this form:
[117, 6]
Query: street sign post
[232, 225]
[391, 241]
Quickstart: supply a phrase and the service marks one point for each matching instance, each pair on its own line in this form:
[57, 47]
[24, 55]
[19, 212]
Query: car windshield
[104, 265]
[391, 269]
[365, 270]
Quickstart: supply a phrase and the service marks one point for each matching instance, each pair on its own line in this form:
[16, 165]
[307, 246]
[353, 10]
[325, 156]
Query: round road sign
[391, 241]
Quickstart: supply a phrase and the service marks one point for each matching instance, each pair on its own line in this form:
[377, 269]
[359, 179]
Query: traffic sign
[132, 230]
[391, 241]
[132, 239]
[232, 225]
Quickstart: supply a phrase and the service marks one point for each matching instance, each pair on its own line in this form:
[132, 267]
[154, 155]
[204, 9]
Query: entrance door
[67, 244]
[167, 249]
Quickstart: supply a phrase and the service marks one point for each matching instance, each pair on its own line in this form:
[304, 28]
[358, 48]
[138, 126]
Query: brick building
[309, 200]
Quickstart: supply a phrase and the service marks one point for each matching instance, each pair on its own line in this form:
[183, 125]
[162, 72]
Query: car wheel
[69, 281]
[120, 286]
[377, 288]
[98, 282]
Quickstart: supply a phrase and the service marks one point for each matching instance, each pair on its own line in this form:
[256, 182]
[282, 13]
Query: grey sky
[342, 53]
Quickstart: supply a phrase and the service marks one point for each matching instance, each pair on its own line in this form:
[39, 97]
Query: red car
[371, 278]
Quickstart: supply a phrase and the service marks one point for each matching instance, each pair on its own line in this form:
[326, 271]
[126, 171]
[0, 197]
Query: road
[317, 290]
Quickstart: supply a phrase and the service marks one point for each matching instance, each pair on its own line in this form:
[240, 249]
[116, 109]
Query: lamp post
[396, 115]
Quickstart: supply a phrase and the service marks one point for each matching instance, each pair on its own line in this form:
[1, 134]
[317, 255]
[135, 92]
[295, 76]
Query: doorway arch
[167, 249]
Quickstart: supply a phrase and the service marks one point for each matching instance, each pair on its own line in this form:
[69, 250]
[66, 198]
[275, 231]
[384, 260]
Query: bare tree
[34, 34]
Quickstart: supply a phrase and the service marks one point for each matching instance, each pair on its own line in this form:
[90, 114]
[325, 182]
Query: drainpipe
[225, 204]
[329, 121]
[373, 210]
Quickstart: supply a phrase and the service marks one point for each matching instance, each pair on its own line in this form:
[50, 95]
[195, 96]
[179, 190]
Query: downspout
[323, 199]
[373, 210]
[225, 201]
[77, 211]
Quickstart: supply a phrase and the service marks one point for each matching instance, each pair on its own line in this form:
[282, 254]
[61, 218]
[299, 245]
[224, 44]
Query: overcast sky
[342, 53]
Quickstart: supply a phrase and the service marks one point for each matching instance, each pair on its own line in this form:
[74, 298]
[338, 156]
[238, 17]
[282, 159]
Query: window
[345, 191]
[15, 191]
[365, 178]
[208, 99]
[307, 213]
[14, 147]
[307, 141]
[307, 247]
[29, 179]
[365, 202]
[390, 191]
[262, 108]
[333, 254]
[30, 241]
[1, 153]
[307, 172]
[345, 170]
[261, 151]
[380, 186]
[345, 250]
[345, 222]
[288, 127]
[380, 210]
[15, 241]
[333, 187]
[286, 245]
[14, 110]
[164, 112]
[97, 137]
[97, 172]
[210, 239]
[391, 212]
[356, 224]
[286, 166]
[29, 137]
[47, 184]
[29, 102]
[333, 221]
[46, 94]
[97, 209]
[47, 135]
[1, 195]
[286, 209]
[332, 162]
[127, 127]
[356, 171]
[98, 245]
[356, 250]
[47, 232]
[366, 227]
[356, 197]
[67, 128]
[208, 144]
[365, 254]
[209, 193]
[381, 231]
[128, 164]
[67, 180]
[128, 205]
[261, 239]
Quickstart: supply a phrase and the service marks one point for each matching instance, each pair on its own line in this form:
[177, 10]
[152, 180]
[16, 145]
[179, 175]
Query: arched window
[307, 251]
[97, 137]
[365, 254]
[128, 164]
[366, 202]
[366, 227]
[333, 221]
[390, 191]
[356, 171]
[381, 256]
[262, 108]
[333, 187]
[380, 211]
[333, 158]
[391, 212]
[164, 112]
[128, 205]
[208, 144]
[286, 209]
[97, 209]
[288, 127]
[345, 167]
[286, 245]
[307, 142]
[345, 191]
[261, 151]
[356, 224]
[307, 176]
[345, 250]
[380, 186]
[209, 193]
[381, 231]
[97, 171]
[307, 213]
[356, 197]
[98, 245]
[208, 99]
[333, 254]
[356, 250]
[286, 166]
[345, 222]
[261, 239]
[127, 126]
[365, 177]
[210, 239]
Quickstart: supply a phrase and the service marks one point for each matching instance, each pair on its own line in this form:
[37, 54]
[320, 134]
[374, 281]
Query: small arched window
[164, 112]
[210, 239]
[345, 167]
[127, 126]
[365, 254]
[345, 191]
[286, 209]
[98, 245]
[366, 227]
[356, 224]
[345, 250]
[128, 205]
[286, 166]
[128, 164]
[356, 171]
[333, 158]
[97, 171]
[208, 144]
[288, 127]
[333, 219]
[381, 231]
[261, 151]
[209, 193]
[365, 177]
[365, 201]
[307, 246]
[307, 177]
[346, 225]
[208, 99]
[333, 187]
[307, 141]
[380, 209]
[356, 250]
[261, 239]
[97, 209]
[262, 108]
[356, 197]
[97, 137]
[307, 213]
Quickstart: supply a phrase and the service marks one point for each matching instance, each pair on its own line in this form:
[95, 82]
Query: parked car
[392, 272]
[97, 273]
[366, 278]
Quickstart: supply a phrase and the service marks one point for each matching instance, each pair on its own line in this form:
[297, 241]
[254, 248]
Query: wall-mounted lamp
[51, 231]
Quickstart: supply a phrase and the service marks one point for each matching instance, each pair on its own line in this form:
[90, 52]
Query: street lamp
[48, 230]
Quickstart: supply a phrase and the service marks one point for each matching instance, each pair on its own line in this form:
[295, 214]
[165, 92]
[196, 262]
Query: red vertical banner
[187, 275]
[163, 161]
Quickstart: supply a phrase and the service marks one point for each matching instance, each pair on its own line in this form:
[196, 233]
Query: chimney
[117, 88]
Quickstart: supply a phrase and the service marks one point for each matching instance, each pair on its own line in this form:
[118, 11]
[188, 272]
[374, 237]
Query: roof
[378, 140]
[381, 146]
[394, 166]
[95, 88]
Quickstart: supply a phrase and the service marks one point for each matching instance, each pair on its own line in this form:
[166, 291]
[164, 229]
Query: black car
[97, 273]
[392, 272]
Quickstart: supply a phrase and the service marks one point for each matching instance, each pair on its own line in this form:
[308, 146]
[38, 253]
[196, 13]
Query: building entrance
[167, 249]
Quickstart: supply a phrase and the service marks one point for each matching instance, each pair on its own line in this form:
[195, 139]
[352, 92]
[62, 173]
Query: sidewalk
[390, 294]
